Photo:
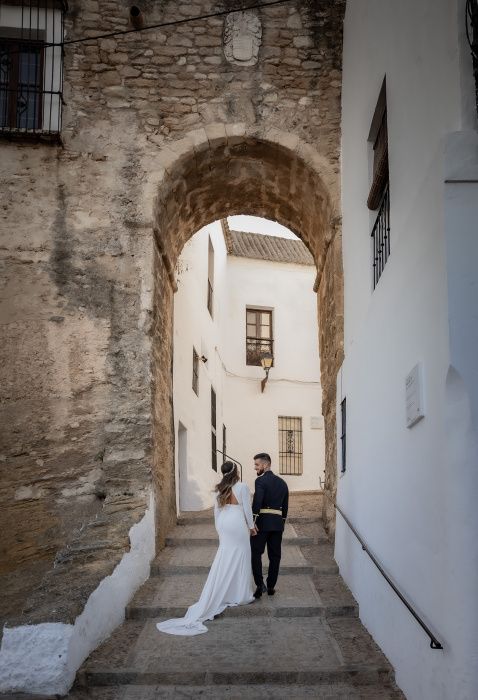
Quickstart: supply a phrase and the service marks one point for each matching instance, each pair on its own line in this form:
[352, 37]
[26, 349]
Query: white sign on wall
[316, 422]
[414, 396]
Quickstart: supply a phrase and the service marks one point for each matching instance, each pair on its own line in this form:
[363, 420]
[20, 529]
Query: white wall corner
[44, 658]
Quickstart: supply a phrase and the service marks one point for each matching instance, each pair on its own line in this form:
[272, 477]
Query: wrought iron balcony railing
[381, 237]
[256, 348]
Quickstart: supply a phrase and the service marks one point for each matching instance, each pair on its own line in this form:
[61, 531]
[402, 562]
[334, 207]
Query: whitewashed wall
[293, 388]
[407, 491]
[251, 418]
[193, 325]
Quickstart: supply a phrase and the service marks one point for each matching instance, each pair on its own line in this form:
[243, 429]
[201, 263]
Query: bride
[229, 581]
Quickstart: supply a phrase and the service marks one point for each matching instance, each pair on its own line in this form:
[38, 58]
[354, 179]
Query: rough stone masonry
[163, 131]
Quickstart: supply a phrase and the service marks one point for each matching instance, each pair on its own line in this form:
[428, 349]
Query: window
[31, 73]
[21, 78]
[210, 279]
[290, 445]
[343, 433]
[259, 338]
[224, 447]
[379, 195]
[213, 431]
[472, 36]
[195, 372]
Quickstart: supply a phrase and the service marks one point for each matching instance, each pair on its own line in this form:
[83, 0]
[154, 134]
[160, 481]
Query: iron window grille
[259, 338]
[290, 445]
[214, 450]
[381, 237]
[379, 194]
[195, 382]
[343, 433]
[210, 278]
[210, 297]
[472, 36]
[213, 431]
[31, 67]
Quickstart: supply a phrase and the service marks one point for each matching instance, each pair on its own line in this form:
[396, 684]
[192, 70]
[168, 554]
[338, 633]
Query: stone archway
[225, 170]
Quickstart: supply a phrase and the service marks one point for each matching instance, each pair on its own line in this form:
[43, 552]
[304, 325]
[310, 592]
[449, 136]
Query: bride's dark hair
[224, 487]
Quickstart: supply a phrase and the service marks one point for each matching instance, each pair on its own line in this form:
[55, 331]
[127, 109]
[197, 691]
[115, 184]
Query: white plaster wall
[193, 326]
[294, 387]
[44, 658]
[251, 418]
[400, 488]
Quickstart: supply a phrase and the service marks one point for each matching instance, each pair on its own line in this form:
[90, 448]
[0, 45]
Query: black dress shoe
[259, 591]
[271, 591]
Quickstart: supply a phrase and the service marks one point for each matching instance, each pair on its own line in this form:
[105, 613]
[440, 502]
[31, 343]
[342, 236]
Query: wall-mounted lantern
[266, 362]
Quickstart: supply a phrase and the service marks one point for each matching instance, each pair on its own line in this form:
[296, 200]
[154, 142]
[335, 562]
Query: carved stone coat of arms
[242, 37]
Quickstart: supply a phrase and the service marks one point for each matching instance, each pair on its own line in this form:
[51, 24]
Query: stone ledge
[361, 675]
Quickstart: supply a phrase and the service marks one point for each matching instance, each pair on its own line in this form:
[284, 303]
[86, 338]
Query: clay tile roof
[255, 245]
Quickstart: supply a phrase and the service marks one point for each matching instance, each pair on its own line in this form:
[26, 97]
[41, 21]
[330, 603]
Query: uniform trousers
[258, 544]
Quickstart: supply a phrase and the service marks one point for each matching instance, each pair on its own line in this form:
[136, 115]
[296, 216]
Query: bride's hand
[254, 531]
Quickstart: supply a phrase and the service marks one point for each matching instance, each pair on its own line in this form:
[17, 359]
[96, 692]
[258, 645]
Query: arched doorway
[219, 172]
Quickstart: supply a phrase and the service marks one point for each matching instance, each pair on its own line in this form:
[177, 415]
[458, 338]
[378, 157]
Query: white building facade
[408, 389]
[260, 303]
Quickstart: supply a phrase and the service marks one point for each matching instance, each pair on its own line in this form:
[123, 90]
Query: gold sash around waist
[270, 511]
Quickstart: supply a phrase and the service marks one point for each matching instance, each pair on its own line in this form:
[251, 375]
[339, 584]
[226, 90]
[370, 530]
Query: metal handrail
[434, 643]
[236, 461]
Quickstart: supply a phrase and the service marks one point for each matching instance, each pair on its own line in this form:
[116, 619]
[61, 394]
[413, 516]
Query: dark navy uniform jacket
[271, 493]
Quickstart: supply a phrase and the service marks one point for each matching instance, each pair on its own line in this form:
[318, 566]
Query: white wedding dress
[229, 581]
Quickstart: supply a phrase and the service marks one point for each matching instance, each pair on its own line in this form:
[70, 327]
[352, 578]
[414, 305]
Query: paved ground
[304, 642]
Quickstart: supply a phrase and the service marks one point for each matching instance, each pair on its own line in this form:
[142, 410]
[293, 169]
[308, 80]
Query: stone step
[238, 651]
[202, 534]
[304, 642]
[321, 557]
[253, 610]
[361, 675]
[335, 596]
[206, 517]
[174, 541]
[190, 559]
[170, 596]
[323, 690]
[160, 569]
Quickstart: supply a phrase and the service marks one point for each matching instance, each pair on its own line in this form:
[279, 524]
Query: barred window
[290, 445]
[379, 195]
[378, 138]
[195, 372]
[343, 434]
[210, 278]
[31, 66]
[259, 338]
[213, 431]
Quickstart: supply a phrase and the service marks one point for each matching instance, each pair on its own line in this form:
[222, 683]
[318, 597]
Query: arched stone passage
[222, 171]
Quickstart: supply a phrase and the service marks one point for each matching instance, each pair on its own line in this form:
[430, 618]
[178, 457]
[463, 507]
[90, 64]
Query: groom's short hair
[263, 456]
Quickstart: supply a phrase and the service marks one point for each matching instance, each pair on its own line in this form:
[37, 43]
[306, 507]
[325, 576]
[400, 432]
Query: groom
[269, 508]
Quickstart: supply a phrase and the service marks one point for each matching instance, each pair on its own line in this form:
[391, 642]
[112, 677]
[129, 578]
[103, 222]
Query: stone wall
[161, 135]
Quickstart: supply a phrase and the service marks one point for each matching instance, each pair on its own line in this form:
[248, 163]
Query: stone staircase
[304, 642]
